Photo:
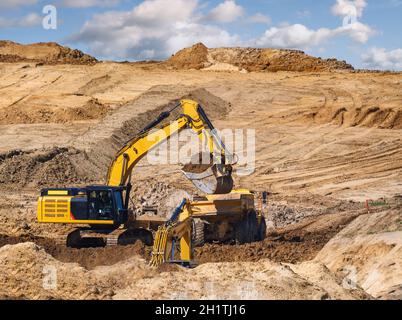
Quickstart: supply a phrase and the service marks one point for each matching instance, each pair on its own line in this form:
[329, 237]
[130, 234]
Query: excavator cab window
[119, 200]
[100, 204]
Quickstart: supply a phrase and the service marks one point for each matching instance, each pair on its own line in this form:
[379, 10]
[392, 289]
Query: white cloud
[29, 20]
[153, 29]
[89, 3]
[359, 32]
[300, 37]
[380, 58]
[16, 3]
[293, 36]
[345, 8]
[225, 12]
[259, 18]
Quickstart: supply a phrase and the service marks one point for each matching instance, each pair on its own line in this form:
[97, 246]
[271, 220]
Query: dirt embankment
[369, 252]
[91, 110]
[251, 59]
[48, 167]
[43, 53]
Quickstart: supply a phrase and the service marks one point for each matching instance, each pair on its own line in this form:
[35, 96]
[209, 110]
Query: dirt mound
[43, 52]
[369, 252]
[28, 272]
[92, 110]
[46, 167]
[194, 57]
[251, 59]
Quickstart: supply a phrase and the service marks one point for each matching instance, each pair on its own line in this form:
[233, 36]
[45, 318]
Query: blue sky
[366, 33]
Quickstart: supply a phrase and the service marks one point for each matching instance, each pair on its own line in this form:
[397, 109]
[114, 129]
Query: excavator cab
[93, 205]
[105, 203]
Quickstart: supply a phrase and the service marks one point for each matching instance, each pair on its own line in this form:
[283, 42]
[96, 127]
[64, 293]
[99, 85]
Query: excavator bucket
[207, 176]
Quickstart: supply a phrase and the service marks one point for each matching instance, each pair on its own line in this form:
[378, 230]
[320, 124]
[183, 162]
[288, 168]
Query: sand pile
[43, 52]
[251, 59]
[244, 280]
[195, 57]
[46, 167]
[26, 273]
[369, 251]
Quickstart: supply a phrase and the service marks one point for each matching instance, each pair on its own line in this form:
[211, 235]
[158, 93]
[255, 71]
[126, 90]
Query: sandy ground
[325, 142]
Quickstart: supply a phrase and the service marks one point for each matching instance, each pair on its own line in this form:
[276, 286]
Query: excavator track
[87, 237]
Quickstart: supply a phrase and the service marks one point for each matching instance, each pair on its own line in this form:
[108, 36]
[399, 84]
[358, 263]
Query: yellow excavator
[101, 212]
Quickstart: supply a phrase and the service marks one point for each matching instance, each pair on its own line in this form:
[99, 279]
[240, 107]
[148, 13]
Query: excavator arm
[192, 117]
[177, 228]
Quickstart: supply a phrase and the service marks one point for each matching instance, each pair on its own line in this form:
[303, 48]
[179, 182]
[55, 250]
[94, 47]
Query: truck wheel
[147, 238]
[246, 229]
[252, 226]
[241, 231]
[262, 230]
[198, 233]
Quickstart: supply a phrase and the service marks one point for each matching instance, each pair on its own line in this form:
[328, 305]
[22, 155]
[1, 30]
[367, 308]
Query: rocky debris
[200, 57]
[159, 195]
[43, 53]
[282, 214]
